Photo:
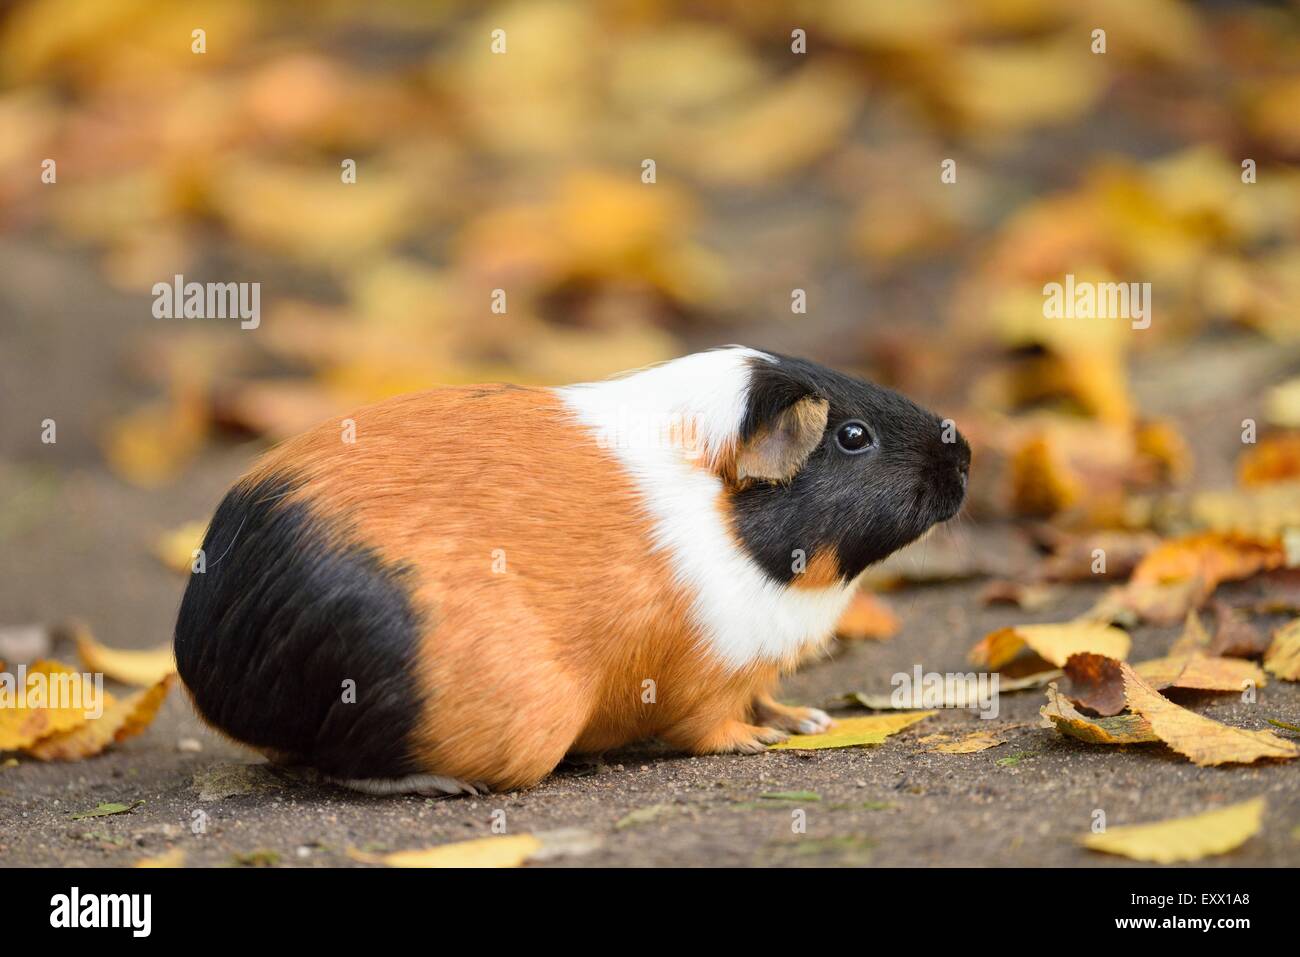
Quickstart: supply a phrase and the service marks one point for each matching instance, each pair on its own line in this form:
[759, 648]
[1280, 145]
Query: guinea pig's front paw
[737, 737]
[795, 720]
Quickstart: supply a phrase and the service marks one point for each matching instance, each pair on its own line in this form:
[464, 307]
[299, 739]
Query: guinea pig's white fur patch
[743, 615]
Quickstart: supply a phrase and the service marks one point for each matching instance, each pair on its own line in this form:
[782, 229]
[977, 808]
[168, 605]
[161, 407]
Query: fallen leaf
[958, 699]
[1204, 741]
[1275, 458]
[1183, 838]
[22, 726]
[140, 668]
[851, 732]
[107, 810]
[1096, 682]
[122, 718]
[1283, 655]
[1193, 638]
[503, 851]
[790, 796]
[176, 548]
[971, 743]
[1235, 635]
[867, 618]
[1119, 729]
[1200, 672]
[1054, 643]
[173, 858]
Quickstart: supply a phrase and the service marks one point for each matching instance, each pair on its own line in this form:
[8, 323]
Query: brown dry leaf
[1209, 557]
[970, 744]
[1235, 635]
[176, 548]
[1076, 557]
[24, 719]
[851, 732]
[122, 718]
[504, 851]
[867, 618]
[1118, 729]
[1095, 681]
[140, 668]
[1204, 741]
[1283, 655]
[1275, 458]
[1183, 838]
[1054, 643]
[1182, 573]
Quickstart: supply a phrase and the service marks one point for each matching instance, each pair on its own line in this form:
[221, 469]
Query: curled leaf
[141, 668]
[1054, 643]
[1120, 729]
[1205, 741]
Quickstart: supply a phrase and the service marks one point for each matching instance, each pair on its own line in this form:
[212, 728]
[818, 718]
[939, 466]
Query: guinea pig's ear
[784, 421]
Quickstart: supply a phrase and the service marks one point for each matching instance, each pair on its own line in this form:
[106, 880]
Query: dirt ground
[74, 540]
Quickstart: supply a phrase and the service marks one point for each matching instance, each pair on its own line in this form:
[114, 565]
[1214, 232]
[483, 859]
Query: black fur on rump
[285, 613]
[860, 507]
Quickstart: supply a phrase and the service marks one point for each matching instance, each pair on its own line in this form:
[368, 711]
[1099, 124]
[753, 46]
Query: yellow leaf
[122, 719]
[973, 742]
[152, 445]
[176, 548]
[1199, 672]
[173, 858]
[1283, 655]
[1183, 838]
[1054, 643]
[851, 732]
[505, 851]
[21, 725]
[140, 668]
[1205, 741]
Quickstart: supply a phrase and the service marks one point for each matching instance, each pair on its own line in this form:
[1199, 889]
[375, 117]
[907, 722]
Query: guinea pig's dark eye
[854, 436]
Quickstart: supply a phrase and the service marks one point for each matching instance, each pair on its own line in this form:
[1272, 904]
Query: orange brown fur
[521, 667]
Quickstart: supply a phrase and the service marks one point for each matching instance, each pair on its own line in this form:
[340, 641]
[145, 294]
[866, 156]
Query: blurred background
[798, 203]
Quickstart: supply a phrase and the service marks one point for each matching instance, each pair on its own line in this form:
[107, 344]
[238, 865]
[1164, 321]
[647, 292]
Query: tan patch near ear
[822, 571]
[780, 449]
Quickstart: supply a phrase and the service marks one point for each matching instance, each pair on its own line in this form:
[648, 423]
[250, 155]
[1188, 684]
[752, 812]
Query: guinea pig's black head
[881, 470]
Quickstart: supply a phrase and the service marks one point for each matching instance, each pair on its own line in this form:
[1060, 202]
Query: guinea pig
[450, 591]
